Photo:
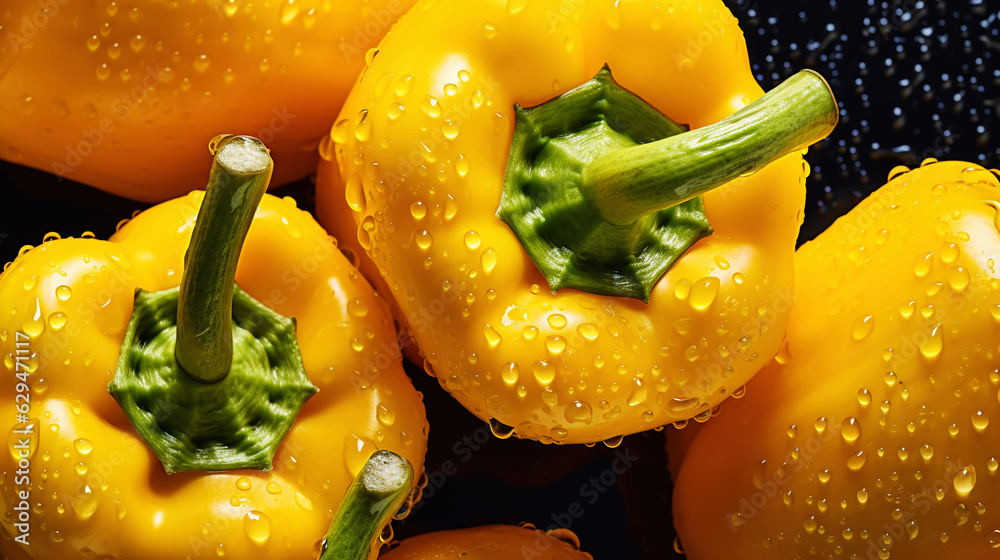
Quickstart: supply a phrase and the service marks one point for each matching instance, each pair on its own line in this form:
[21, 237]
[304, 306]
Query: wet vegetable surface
[916, 79]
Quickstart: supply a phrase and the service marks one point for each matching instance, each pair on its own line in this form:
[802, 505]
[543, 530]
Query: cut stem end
[372, 499]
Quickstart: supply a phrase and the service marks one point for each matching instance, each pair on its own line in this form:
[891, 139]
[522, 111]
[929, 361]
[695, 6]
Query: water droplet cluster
[914, 79]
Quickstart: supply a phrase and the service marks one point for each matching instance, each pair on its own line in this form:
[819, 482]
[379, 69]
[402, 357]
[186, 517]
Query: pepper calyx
[211, 378]
[235, 423]
[558, 225]
[605, 193]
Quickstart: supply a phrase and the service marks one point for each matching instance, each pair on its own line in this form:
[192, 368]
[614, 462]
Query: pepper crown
[211, 378]
[604, 191]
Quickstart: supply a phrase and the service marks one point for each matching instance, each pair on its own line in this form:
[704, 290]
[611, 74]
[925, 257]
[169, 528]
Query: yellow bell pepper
[123, 95]
[491, 542]
[249, 479]
[871, 434]
[572, 316]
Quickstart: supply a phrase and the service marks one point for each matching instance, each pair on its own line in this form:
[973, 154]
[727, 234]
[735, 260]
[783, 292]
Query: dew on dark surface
[915, 79]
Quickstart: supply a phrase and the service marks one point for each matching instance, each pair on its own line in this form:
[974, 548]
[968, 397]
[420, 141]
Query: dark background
[915, 79]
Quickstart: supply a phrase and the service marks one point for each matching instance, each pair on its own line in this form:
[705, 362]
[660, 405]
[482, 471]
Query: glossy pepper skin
[871, 435]
[491, 542]
[422, 145]
[336, 216]
[97, 490]
[123, 95]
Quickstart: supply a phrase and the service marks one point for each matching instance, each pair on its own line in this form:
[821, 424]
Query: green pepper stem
[240, 174]
[372, 499]
[630, 183]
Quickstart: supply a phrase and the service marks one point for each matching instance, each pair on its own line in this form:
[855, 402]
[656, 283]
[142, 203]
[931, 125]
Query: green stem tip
[239, 177]
[372, 499]
[628, 184]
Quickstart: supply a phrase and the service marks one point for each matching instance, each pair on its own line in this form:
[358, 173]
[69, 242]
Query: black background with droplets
[915, 79]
